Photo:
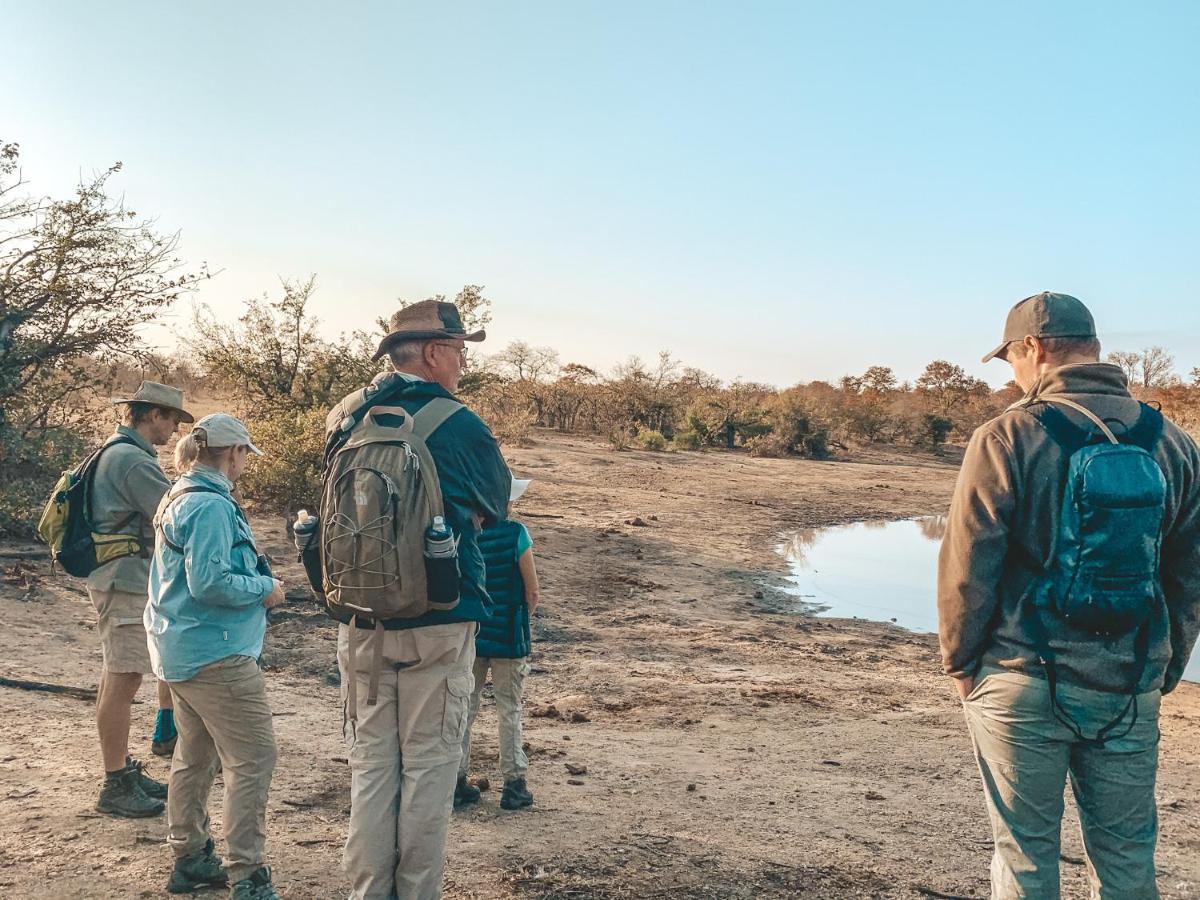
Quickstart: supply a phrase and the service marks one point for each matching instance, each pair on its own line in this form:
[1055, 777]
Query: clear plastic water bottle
[441, 564]
[439, 540]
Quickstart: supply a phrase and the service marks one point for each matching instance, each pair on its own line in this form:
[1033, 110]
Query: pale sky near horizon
[778, 191]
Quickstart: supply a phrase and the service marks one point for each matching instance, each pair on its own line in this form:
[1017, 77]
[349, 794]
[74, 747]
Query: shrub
[772, 445]
[649, 439]
[288, 475]
[31, 465]
[686, 440]
[507, 411]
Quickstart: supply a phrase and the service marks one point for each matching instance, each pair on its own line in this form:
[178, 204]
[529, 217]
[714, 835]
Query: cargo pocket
[454, 716]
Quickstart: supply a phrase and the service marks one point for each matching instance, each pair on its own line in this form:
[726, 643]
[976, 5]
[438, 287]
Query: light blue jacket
[206, 602]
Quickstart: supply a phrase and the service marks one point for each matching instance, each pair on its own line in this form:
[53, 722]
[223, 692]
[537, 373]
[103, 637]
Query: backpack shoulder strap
[430, 417]
[349, 412]
[1146, 430]
[1069, 436]
[1079, 408]
[88, 471]
[171, 497]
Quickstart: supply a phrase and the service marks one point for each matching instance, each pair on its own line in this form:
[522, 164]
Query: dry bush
[507, 410]
[649, 439]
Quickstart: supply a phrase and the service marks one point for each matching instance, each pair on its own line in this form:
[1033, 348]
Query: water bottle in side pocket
[441, 564]
[307, 532]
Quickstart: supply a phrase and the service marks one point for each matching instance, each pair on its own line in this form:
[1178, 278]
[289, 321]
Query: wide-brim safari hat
[158, 395]
[426, 321]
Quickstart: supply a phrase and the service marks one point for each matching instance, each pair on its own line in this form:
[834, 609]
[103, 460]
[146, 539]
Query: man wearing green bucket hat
[126, 488]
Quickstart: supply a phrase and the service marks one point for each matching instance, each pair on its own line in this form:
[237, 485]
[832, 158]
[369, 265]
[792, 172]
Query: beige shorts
[122, 634]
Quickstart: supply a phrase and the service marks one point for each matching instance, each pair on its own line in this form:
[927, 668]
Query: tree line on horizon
[80, 277]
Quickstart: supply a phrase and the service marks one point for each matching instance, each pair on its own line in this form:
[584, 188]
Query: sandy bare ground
[732, 749]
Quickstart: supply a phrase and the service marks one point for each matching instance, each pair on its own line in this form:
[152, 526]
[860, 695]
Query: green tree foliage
[78, 279]
[272, 358]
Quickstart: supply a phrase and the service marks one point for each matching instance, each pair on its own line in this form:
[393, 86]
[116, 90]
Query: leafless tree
[1152, 367]
[523, 362]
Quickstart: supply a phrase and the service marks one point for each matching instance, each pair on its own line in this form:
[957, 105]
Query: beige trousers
[122, 634]
[508, 684]
[404, 754]
[222, 716]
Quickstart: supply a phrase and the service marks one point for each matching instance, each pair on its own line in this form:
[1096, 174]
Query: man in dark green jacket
[413, 735]
[1000, 639]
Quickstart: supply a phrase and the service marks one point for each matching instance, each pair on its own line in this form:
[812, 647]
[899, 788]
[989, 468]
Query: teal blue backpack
[1104, 577]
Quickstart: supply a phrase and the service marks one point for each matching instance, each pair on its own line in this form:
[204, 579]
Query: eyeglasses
[461, 351]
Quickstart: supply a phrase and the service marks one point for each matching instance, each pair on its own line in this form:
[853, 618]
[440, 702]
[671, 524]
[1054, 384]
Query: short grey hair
[404, 353]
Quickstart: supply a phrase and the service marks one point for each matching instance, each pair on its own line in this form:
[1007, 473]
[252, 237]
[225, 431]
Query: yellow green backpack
[66, 522]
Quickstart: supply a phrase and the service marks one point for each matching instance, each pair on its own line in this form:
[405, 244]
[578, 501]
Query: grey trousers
[1026, 755]
[222, 715]
[404, 754]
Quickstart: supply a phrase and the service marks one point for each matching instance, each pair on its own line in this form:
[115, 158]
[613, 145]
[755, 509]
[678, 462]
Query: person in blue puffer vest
[503, 645]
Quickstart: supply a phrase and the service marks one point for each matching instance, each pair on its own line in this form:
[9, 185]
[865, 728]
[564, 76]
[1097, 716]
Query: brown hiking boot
[122, 795]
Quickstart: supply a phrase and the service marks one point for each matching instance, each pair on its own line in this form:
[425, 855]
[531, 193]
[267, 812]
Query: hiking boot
[515, 794]
[164, 748]
[256, 887]
[122, 795]
[156, 790]
[200, 869]
[465, 792]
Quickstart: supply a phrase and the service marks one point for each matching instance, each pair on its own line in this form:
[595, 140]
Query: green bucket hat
[1045, 315]
[428, 320]
[158, 395]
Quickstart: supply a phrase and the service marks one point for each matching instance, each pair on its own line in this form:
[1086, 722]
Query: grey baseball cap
[223, 430]
[1045, 315]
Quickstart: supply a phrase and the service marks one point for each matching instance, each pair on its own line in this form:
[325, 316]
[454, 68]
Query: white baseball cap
[519, 486]
[223, 430]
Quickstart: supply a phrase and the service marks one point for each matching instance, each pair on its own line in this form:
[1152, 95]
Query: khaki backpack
[380, 495]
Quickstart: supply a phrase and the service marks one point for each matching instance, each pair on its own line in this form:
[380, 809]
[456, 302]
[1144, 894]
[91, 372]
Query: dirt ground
[733, 749]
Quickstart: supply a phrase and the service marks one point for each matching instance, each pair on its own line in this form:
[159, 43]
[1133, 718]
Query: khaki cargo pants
[1026, 756]
[508, 684]
[122, 635]
[222, 716]
[404, 753]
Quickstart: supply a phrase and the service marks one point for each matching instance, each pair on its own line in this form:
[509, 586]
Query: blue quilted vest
[504, 634]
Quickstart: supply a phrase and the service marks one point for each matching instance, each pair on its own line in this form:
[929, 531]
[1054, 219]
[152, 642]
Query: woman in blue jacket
[206, 619]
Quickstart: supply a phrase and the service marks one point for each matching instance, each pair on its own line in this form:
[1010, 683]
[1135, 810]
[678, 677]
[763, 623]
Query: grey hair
[405, 353]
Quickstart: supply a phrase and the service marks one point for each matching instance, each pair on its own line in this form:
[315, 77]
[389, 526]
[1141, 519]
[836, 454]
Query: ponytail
[187, 451]
[193, 448]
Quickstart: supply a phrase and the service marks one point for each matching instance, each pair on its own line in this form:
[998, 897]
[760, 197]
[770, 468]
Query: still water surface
[884, 571]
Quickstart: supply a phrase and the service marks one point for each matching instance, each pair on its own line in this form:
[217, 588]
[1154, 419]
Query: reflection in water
[933, 527]
[878, 570]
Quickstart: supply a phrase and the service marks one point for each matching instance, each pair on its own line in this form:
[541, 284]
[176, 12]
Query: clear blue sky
[779, 191]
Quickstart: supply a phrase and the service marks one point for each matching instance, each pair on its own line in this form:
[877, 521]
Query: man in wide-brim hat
[429, 320]
[126, 490]
[412, 735]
